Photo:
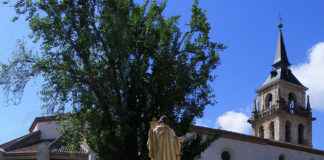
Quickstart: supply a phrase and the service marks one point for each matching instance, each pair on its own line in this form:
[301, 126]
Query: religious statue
[163, 144]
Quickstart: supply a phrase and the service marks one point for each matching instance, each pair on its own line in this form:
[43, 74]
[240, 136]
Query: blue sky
[249, 30]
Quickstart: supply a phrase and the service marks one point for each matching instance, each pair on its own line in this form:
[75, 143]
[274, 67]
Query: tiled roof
[29, 142]
[22, 142]
[59, 146]
[282, 74]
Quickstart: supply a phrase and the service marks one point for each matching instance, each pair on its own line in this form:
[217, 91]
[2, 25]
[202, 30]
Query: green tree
[115, 64]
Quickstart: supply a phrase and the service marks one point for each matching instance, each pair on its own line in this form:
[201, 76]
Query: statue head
[163, 119]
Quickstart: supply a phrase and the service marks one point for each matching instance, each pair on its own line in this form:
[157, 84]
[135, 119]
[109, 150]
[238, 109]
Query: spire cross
[280, 25]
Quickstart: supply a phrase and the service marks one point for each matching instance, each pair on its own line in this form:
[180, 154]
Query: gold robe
[163, 143]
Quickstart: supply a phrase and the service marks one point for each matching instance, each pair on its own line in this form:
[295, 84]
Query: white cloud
[202, 122]
[311, 74]
[234, 121]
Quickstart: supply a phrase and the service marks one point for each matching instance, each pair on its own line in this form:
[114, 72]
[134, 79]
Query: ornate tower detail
[281, 111]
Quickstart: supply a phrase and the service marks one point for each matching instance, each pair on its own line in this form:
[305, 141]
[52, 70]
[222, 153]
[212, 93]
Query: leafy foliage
[118, 64]
[196, 144]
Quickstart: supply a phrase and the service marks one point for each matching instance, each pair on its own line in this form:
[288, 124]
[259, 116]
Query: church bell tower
[282, 111]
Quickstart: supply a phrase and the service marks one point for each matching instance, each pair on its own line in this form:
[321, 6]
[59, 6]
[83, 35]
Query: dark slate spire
[280, 70]
[308, 106]
[281, 58]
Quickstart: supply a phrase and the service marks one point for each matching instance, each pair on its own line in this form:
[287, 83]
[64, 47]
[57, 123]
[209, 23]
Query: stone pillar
[2, 157]
[92, 156]
[42, 152]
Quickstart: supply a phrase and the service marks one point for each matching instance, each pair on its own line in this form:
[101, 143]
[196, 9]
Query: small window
[292, 101]
[268, 102]
[288, 131]
[301, 134]
[281, 157]
[226, 155]
[274, 73]
[272, 130]
[261, 132]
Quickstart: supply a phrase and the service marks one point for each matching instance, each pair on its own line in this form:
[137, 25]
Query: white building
[281, 121]
[43, 142]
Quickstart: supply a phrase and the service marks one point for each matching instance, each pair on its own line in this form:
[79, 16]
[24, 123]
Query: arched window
[292, 100]
[288, 131]
[226, 155]
[268, 101]
[281, 157]
[300, 134]
[272, 130]
[261, 132]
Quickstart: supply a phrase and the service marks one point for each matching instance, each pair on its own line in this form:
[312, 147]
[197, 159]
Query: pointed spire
[281, 58]
[308, 106]
[280, 70]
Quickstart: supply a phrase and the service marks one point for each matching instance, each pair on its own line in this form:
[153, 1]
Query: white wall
[240, 150]
[49, 129]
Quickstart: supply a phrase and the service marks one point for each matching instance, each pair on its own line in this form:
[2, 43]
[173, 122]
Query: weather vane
[280, 25]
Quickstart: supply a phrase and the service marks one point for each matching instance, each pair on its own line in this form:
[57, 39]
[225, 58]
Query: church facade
[281, 121]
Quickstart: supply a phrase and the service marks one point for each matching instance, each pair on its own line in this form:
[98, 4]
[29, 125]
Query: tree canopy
[115, 64]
